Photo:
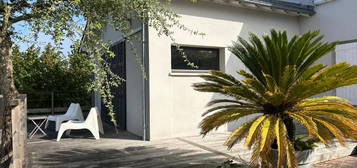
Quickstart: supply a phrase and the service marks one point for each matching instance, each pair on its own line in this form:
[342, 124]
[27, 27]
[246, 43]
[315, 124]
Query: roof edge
[275, 6]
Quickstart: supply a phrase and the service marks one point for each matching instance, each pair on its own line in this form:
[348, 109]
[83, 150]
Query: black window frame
[174, 66]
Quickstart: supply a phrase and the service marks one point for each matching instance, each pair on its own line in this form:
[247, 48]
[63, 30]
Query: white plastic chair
[74, 112]
[93, 123]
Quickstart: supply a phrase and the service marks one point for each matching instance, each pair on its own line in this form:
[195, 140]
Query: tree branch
[19, 6]
[24, 17]
[2, 8]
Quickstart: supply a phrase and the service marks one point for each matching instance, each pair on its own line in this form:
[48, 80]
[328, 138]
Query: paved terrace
[126, 150]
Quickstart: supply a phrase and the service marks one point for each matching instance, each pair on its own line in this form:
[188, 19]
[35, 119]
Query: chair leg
[60, 133]
[46, 124]
[95, 133]
[58, 124]
[68, 132]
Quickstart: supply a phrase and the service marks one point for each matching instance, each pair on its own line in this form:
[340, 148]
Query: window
[204, 58]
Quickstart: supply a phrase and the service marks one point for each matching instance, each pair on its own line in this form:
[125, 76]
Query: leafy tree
[283, 76]
[26, 67]
[39, 73]
[59, 19]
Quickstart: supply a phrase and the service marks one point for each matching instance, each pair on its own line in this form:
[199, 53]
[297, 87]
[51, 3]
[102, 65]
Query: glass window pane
[204, 58]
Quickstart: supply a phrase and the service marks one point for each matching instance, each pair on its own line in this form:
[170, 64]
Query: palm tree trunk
[7, 88]
[290, 127]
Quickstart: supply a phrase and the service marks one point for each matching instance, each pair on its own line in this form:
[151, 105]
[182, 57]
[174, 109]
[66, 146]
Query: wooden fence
[55, 110]
[19, 126]
[19, 130]
[2, 106]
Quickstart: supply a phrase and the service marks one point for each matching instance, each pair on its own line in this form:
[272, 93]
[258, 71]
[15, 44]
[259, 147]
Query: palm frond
[267, 134]
[324, 133]
[244, 93]
[225, 101]
[230, 106]
[312, 71]
[334, 130]
[308, 123]
[281, 134]
[224, 116]
[291, 159]
[254, 130]
[238, 134]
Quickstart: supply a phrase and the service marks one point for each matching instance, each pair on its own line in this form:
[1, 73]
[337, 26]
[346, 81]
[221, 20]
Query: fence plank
[55, 110]
[19, 132]
[2, 108]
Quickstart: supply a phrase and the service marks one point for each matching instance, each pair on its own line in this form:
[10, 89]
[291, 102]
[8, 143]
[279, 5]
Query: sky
[43, 39]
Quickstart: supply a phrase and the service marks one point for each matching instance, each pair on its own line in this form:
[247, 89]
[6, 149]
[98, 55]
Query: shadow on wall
[232, 65]
[141, 156]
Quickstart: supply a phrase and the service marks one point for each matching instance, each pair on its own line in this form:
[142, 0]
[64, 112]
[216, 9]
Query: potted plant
[277, 90]
[304, 147]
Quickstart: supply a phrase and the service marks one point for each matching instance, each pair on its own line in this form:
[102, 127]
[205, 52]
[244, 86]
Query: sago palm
[282, 78]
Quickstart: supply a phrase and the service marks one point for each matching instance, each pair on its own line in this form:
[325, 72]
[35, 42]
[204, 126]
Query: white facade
[347, 53]
[335, 21]
[174, 107]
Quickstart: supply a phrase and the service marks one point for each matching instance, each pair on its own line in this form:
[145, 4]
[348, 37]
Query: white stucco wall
[335, 19]
[175, 108]
[347, 53]
[134, 87]
[134, 78]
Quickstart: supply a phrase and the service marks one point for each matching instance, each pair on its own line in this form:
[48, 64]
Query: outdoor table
[41, 120]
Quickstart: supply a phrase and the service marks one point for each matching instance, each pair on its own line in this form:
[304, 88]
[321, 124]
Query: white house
[164, 104]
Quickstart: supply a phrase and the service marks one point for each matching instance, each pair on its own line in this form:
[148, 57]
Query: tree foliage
[278, 88]
[39, 73]
[59, 19]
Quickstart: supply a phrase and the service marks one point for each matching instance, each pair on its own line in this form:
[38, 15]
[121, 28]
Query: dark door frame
[118, 66]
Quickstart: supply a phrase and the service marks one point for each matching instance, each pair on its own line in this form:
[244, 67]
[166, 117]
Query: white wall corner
[98, 101]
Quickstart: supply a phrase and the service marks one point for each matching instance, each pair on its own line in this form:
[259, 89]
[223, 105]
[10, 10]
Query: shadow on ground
[114, 149]
[110, 132]
[142, 156]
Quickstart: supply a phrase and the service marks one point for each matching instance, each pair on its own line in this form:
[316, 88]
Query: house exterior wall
[175, 108]
[335, 20]
[347, 53]
[134, 87]
[134, 77]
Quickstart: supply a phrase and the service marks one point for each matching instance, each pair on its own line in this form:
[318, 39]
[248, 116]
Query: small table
[41, 120]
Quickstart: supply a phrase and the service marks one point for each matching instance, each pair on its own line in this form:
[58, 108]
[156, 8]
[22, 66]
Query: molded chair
[93, 123]
[74, 112]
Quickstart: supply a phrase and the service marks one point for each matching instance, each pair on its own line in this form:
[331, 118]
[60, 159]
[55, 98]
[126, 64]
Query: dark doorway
[118, 66]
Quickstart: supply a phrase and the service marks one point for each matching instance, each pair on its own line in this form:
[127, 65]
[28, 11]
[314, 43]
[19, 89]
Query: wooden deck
[125, 150]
